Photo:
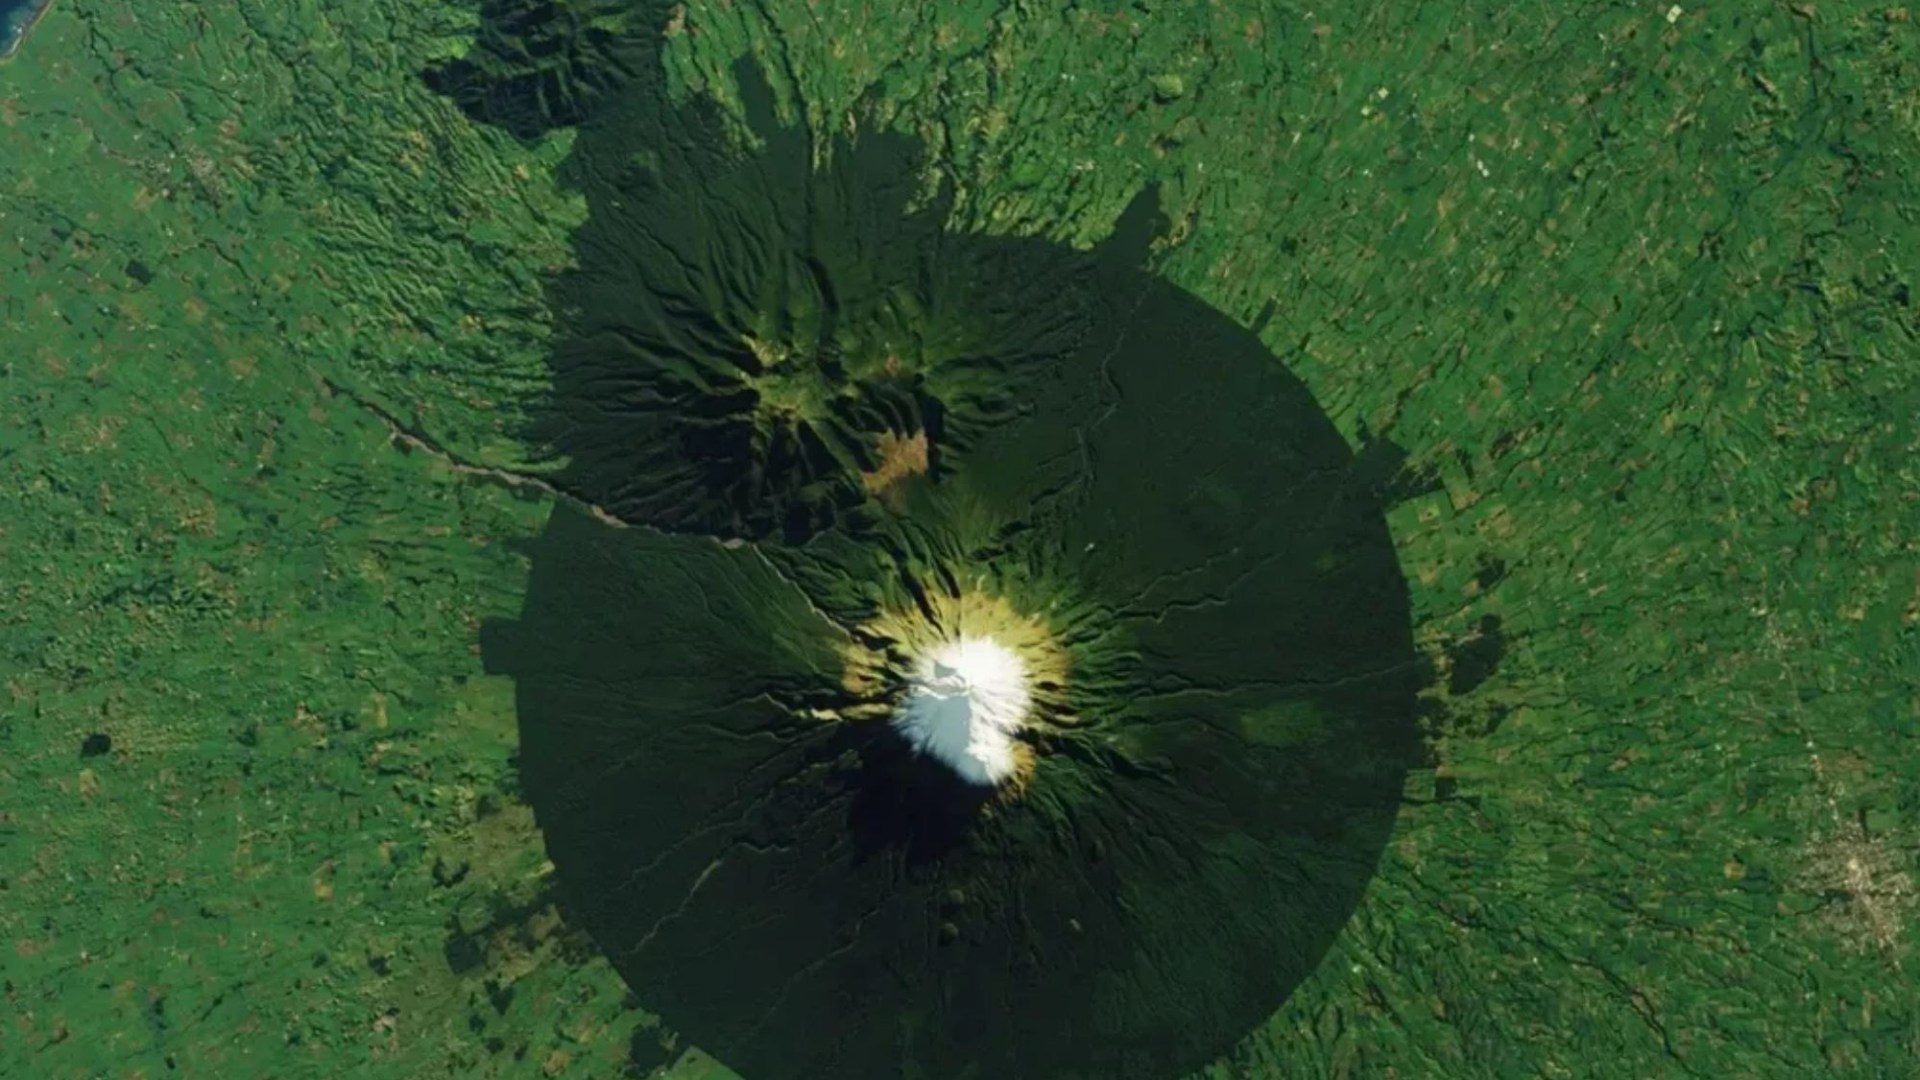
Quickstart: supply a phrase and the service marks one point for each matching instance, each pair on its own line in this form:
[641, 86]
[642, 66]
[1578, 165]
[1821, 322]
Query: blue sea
[16, 18]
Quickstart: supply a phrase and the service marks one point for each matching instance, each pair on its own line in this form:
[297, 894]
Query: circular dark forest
[802, 423]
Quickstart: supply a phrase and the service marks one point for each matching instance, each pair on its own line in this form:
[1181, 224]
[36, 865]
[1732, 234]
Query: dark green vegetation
[799, 895]
[740, 334]
[1635, 292]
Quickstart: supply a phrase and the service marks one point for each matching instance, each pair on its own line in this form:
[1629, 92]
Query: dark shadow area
[541, 65]
[647, 1052]
[1475, 659]
[799, 895]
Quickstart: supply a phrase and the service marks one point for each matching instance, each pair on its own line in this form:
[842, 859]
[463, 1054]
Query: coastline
[13, 47]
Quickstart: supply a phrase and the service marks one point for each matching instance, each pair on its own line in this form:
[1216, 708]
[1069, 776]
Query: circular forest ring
[839, 437]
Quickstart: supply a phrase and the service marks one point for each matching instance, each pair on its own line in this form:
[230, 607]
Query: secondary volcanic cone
[1064, 756]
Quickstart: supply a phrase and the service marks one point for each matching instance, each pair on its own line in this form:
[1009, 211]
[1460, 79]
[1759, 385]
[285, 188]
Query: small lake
[16, 18]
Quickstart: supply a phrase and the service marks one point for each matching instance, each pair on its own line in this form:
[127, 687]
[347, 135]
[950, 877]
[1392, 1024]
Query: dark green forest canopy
[801, 895]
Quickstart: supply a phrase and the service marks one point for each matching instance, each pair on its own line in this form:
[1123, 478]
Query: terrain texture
[1609, 307]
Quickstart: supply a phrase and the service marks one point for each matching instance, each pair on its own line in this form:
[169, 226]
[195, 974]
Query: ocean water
[16, 18]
